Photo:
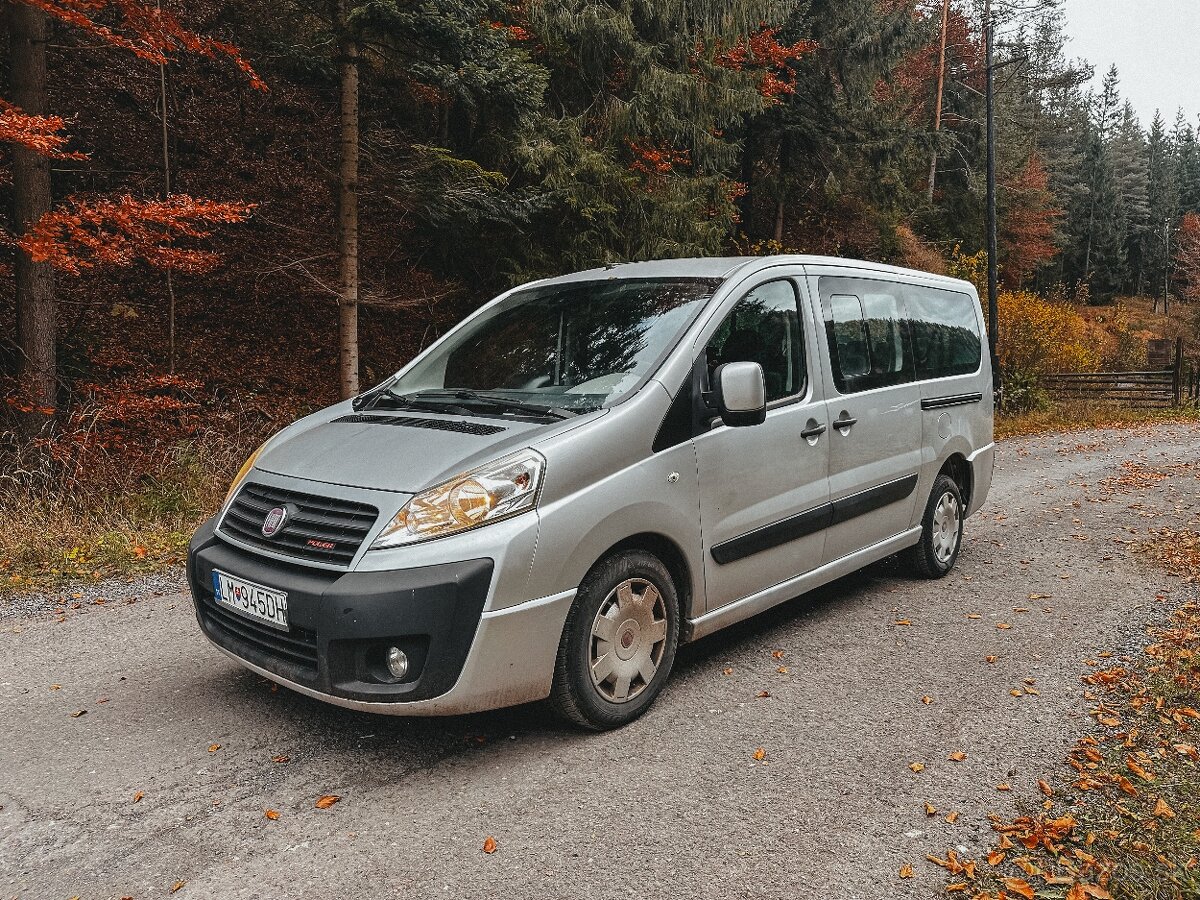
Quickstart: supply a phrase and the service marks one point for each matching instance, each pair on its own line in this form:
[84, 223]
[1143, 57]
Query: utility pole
[993, 262]
[937, 103]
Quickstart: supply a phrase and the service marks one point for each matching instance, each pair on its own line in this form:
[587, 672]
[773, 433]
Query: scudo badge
[274, 521]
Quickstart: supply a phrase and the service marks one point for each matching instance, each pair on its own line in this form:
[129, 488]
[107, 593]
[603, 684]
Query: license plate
[251, 600]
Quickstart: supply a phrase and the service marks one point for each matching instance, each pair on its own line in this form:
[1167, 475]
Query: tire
[635, 593]
[941, 530]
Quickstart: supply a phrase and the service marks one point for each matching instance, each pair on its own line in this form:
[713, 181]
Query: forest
[221, 215]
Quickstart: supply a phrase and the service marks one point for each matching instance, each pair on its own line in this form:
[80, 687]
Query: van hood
[398, 450]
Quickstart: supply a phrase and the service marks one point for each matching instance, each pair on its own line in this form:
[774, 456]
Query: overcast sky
[1154, 44]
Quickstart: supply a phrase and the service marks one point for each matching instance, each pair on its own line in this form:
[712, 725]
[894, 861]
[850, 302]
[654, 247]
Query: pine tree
[1163, 198]
[1131, 174]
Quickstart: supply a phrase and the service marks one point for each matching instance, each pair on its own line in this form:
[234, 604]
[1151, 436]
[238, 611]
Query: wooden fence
[1177, 386]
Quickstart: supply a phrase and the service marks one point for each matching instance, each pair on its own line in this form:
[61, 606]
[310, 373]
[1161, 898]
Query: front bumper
[463, 659]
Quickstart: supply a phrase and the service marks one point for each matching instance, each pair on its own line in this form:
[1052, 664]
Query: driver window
[764, 328]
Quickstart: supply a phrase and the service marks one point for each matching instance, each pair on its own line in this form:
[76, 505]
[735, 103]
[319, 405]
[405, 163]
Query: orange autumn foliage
[1187, 257]
[148, 32]
[41, 134]
[1039, 336]
[1028, 224]
[763, 52]
[85, 234]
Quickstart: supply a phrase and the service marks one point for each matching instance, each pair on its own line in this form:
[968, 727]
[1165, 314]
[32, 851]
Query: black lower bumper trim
[341, 623]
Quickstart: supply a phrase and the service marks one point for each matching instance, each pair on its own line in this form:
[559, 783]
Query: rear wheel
[941, 530]
[619, 642]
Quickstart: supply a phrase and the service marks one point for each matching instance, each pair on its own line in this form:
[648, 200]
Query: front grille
[322, 529]
[297, 646]
[476, 428]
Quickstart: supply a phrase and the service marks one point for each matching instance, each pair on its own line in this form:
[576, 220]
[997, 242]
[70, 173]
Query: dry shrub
[121, 484]
[914, 253]
[1038, 336]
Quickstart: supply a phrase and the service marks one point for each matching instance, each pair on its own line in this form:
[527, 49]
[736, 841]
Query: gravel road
[674, 805]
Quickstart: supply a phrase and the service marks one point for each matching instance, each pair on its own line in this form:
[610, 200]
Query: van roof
[723, 267]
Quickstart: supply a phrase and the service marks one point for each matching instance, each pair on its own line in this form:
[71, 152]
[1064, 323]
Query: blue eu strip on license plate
[254, 601]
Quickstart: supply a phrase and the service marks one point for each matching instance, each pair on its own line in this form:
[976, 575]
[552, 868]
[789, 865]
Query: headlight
[243, 472]
[496, 491]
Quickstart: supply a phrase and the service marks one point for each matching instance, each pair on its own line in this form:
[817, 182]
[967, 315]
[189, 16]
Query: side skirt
[752, 605]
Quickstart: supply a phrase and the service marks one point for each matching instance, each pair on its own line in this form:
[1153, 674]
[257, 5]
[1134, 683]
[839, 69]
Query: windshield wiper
[370, 401]
[504, 403]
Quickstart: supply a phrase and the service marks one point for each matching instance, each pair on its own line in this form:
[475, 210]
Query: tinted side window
[945, 332]
[867, 331]
[765, 328]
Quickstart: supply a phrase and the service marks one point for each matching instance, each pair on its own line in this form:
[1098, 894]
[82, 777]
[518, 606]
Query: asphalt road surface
[674, 805]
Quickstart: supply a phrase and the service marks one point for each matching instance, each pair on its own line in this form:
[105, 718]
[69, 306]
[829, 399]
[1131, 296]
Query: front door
[874, 410]
[763, 488]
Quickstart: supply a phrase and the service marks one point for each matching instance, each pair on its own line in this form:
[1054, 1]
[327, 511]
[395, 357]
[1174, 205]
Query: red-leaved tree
[1187, 257]
[1028, 223]
[87, 232]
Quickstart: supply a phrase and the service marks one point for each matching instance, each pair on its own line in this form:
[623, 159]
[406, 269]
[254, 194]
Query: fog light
[397, 662]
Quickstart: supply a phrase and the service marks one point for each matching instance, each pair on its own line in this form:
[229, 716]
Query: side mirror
[741, 394]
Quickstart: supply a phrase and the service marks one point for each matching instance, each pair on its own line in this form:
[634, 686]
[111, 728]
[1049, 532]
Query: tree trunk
[36, 317]
[937, 103]
[348, 51]
[785, 165]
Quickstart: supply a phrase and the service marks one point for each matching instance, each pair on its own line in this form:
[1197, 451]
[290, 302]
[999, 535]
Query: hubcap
[947, 517]
[629, 635]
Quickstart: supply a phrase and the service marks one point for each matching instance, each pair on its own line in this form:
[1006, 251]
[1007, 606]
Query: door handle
[844, 423]
[813, 430]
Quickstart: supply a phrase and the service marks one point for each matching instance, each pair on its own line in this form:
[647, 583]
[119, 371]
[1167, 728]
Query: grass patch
[1124, 821]
[55, 532]
[1081, 415]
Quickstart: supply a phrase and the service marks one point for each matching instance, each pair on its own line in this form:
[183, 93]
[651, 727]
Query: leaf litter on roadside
[1125, 821]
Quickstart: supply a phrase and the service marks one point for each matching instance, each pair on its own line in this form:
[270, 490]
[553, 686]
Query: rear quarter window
[945, 332]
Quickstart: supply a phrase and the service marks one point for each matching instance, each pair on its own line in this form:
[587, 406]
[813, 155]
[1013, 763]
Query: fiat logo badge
[274, 521]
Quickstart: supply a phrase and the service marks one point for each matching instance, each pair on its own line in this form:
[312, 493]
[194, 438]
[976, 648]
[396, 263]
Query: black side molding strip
[810, 522]
[872, 499]
[782, 532]
[955, 400]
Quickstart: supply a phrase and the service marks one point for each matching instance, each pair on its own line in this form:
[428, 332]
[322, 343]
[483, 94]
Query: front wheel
[941, 530]
[618, 644]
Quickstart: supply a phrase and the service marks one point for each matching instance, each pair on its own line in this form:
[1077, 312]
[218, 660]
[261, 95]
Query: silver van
[593, 469]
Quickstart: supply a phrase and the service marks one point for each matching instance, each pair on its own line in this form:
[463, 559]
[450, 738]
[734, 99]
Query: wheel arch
[671, 555]
[958, 469]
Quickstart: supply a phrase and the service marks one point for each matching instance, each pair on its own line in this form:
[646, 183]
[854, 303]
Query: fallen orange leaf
[777, 654]
[906, 871]
[917, 767]
[281, 758]
[177, 885]
[327, 800]
[1004, 787]
[903, 622]
[1019, 886]
[272, 814]
[1045, 788]
[137, 798]
[1003, 626]
[760, 754]
[782, 670]
[1162, 810]
[926, 699]
[930, 809]
[957, 756]
[213, 748]
[991, 659]
[489, 845]
[728, 670]
[995, 857]
[761, 695]
[952, 817]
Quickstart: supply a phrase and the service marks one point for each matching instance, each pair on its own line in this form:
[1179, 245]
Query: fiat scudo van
[591, 470]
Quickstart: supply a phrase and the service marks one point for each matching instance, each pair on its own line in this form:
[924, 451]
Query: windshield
[571, 346]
